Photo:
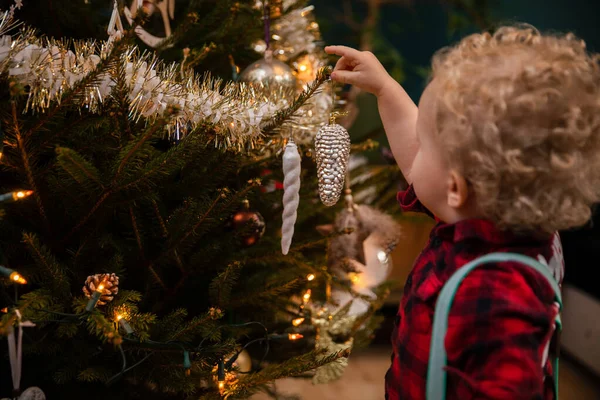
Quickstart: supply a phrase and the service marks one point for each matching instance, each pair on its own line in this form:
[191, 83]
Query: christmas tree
[142, 215]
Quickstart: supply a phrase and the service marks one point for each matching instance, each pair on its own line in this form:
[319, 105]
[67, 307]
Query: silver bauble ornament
[32, 393]
[269, 71]
[332, 151]
[243, 362]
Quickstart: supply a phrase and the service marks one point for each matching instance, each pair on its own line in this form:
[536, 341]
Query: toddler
[503, 151]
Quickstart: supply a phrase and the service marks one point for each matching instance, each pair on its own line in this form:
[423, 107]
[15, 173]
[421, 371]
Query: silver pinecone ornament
[332, 149]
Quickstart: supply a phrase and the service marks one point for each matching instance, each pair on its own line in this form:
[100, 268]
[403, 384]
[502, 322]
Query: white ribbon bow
[15, 350]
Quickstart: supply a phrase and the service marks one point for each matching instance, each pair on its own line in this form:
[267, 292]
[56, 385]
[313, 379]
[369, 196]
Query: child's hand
[359, 68]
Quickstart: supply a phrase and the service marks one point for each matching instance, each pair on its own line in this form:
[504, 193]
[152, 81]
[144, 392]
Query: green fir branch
[94, 374]
[28, 163]
[78, 168]
[65, 375]
[130, 150]
[102, 328]
[293, 367]
[201, 324]
[163, 165]
[101, 199]
[265, 295]
[66, 330]
[195, 215]
[141, 324]
[121, 104]
[282, 116]
[169, 322]
[222, 285]
[128, 298]
[56, 273]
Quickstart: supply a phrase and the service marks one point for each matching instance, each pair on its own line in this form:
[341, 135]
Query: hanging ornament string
[15, 350]
[267, 23]
[348, 191]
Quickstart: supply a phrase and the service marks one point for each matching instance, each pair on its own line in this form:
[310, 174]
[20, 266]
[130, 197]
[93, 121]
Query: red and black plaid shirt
[500, 323]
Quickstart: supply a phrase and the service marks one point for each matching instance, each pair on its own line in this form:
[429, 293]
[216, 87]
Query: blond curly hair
[518, 114]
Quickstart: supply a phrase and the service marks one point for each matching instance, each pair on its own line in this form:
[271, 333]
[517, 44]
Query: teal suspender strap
[436, 373]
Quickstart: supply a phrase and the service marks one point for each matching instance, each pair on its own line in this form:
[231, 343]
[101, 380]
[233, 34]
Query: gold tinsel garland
[238, 111]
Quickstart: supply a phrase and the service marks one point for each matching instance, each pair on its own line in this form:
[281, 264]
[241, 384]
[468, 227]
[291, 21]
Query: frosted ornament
[33, 393]
[332, 152]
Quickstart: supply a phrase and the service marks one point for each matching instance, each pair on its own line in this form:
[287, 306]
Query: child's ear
[458, 190]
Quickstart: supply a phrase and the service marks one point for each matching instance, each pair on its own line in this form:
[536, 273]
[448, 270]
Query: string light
[295, 336]
[310, 277]
[221, 375]
[297, 321]
[124, 324]
[354, 277]
[306, 296]
[15, 196]
[95, 297]
[187, 363]
[13, 275]
[4, 310]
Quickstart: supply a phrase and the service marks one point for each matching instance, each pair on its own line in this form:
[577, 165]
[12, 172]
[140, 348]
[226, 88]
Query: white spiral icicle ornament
[291, 193]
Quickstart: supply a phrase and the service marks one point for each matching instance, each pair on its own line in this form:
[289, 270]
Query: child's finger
[343, 64]
[343, 51]
[342, 76]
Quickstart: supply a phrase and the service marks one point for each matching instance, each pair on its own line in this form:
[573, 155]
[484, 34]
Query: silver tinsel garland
[50, 68]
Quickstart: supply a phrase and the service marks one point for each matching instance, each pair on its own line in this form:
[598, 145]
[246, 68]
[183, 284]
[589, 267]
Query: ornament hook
[334, 114]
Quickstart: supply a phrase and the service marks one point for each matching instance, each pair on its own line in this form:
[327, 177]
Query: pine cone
[111, 287]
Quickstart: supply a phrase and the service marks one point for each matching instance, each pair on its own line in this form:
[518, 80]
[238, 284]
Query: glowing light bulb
[306, 296]
[16, 277]
[297, 321]
[294, 336]
[310, 277]
[12, 275]
[302, 67]
[354, 277]
[100, 288]
[21, 194]
[221, 375]
[119, 317]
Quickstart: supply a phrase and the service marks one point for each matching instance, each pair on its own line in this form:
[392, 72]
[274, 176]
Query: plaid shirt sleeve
[410, 203]
[499, 325]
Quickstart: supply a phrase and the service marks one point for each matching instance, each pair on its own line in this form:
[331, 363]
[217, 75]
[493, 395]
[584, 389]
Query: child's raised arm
[398, 112]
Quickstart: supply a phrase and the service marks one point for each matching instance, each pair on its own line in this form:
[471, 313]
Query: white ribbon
[115, 26]
[15, 350]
